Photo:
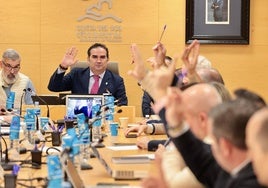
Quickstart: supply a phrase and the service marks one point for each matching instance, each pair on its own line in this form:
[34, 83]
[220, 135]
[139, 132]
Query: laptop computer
[120, 174]
[76, 104]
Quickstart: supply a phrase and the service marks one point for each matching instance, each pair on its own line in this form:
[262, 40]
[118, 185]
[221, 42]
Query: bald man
[196, 109]
[256, 139]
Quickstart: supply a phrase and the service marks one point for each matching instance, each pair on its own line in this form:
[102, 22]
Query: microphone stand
[21, 101]
[30, 90]
[6, 165]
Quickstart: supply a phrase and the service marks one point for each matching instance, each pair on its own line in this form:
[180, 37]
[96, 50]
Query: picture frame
[212, 23]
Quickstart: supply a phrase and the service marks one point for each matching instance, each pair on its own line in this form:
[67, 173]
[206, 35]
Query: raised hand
[190, 59]
[159, 54]
[139, 70]
[174, 107]
[69, 57]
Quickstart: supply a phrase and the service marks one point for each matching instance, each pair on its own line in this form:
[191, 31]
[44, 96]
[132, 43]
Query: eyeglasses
[9, 67]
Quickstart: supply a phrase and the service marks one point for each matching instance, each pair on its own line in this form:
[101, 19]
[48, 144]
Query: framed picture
[217, 21]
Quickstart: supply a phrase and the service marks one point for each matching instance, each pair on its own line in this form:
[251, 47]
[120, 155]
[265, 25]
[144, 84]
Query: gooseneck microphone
[22, 96]
[5, 164]
[33, 93]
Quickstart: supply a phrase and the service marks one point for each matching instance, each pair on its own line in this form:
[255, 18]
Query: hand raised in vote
[69, 57]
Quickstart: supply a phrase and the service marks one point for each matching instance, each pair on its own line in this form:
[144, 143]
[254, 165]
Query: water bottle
[109, 114]
[30, 121]
[14, 137]
[10, 100]
[55, 175]
[70, 140]
[84, 138]
[96, 125]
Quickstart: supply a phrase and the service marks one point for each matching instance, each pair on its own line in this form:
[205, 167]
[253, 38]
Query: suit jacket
[85, 110]
[77, 81]
[198, 157]
[146, 104]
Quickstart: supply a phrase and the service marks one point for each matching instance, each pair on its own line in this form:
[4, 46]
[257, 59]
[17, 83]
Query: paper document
[123, 148]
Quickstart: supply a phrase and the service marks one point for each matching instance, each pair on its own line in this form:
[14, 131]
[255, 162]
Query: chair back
[111, 66]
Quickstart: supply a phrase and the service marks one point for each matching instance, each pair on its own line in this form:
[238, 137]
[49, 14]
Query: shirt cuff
[59, 70]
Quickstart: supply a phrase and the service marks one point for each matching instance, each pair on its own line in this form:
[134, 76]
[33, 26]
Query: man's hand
[159, 54]
[69, 57]
[139, 129]
[174, 107]
[142, 143]
[139, 70]
[190, 59]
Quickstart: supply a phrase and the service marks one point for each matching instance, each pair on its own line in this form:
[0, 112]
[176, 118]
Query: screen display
[87, 104]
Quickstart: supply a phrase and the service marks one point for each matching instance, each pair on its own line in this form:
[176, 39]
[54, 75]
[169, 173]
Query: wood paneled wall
[42, 30]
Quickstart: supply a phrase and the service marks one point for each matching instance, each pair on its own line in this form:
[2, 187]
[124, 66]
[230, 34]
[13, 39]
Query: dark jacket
[77, 81]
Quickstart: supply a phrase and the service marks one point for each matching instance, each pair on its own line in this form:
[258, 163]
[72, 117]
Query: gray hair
[11, 54]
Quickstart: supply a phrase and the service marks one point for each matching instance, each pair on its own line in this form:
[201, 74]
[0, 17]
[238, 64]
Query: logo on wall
[99, 32]
[93, 12]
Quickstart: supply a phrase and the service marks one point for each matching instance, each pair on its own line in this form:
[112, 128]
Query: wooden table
[98, 173]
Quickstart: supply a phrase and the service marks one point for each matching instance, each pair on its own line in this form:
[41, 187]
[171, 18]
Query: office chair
[112, 66]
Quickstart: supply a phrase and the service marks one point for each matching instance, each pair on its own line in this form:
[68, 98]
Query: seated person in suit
[12, 80]
[226, 163]
[256, 136]
[81, 80]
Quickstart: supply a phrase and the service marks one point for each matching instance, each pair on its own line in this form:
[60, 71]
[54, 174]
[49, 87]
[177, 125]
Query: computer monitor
[87, 104]
[46, 99]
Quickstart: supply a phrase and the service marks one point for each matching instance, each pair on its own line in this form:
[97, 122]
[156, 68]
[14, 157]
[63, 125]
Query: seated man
[12, 80]
[256, 136]
[95, 79]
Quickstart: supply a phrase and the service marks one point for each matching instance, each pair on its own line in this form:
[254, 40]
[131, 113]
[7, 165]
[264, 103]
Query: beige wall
[42, 30]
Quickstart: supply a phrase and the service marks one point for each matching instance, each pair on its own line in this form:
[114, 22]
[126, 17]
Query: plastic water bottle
[96, 126]
[55, 175]
[109, 114]
[30, 121]
[10, 100]
[14, 137]
[70, 140]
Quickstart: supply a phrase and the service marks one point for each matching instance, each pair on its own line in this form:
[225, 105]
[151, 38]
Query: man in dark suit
[81, 81]
[226, 163]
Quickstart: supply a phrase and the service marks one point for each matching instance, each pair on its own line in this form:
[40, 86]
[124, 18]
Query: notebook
[76, 104]
[120, 174]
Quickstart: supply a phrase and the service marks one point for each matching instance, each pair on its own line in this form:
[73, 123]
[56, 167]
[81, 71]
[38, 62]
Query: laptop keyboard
[124, 174]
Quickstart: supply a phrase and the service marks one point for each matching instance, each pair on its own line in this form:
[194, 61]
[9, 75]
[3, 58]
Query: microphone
[34, 94]
[116, 102]
[11, 112]
[5, 164]
[22, 96]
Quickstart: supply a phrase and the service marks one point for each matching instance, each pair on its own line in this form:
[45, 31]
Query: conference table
[99, 174]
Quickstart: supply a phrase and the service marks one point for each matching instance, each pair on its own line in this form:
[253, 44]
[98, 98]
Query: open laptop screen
[76, 104]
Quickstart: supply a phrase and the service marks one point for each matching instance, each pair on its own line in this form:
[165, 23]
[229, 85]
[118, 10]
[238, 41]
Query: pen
[165, 26]
[61, 128]
[167, 142]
